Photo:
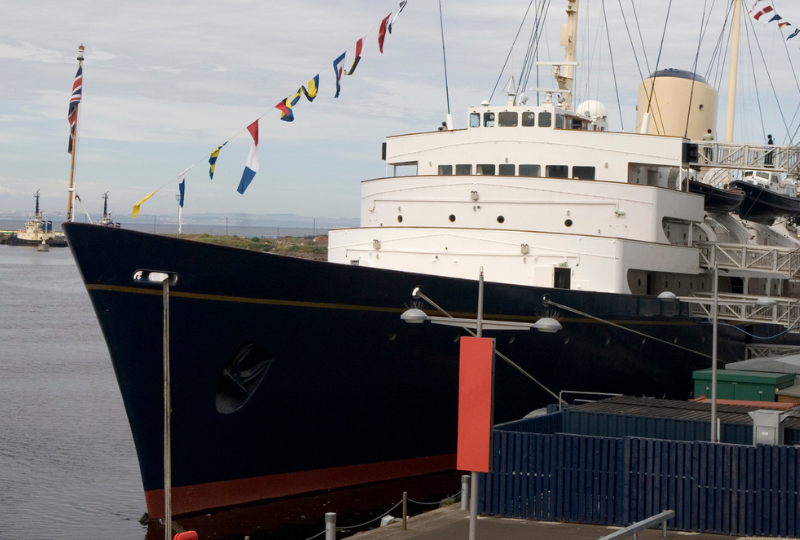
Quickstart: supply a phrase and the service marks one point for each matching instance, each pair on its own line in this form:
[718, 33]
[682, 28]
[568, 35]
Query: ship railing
[742, 308]
[760, 350]
[780, 159]
[778, 260]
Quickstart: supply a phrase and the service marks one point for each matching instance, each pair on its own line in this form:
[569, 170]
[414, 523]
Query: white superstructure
[546, 196]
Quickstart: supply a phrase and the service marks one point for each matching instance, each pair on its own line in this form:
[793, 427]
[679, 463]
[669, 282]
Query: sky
[167, 82]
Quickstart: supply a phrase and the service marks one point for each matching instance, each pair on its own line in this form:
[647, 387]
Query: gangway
[781, 261]
[779, 159]
[744, 309]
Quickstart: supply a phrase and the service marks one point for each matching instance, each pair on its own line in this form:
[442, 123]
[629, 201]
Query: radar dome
[593, 109]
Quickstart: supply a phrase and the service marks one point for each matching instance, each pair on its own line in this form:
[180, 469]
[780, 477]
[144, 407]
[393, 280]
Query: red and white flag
[251, 168]
[760, 8]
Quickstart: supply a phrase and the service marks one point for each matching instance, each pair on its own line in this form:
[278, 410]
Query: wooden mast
[71, 195]
[734, 65]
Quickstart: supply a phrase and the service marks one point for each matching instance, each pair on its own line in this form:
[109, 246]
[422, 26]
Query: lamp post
[762, 302]
[417, 316]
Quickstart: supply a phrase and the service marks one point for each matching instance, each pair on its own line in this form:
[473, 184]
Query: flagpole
[71, 197]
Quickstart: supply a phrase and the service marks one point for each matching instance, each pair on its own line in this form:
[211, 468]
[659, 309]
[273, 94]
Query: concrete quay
[452, 523]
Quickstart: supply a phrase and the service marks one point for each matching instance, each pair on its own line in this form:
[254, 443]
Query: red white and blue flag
[251, 168]
[74, 101]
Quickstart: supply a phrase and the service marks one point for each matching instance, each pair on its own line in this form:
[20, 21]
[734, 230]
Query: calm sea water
[68, 467]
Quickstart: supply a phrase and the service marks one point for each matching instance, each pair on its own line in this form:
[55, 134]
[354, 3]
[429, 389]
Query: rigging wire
[658, 61]
[797, 84]
[716, 56]
[641, 39]
[533, 44]
[613, 69]
[444, 57]
[694, 68]
[511, 51]
[769, 77]
[755, 83]
[630, 38]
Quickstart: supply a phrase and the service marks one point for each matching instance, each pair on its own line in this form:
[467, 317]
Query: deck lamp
[417, 316]
[761, 303]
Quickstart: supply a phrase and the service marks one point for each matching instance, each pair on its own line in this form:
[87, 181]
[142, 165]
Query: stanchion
[465, 492]
[330, 526]
[405, 510]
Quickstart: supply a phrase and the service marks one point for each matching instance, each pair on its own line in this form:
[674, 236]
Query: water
[68, 466]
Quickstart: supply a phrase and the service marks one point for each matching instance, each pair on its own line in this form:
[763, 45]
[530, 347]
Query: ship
[292, 376]
[38, 231]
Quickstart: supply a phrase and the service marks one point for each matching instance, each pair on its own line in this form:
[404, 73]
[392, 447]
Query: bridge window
[557, 171]
[545, 119]
[506, 169]
[530, 170]
[488, 119]
[576, 123]
[445, 170]
[508, 119]
[528, 119]
[485, 170]
[583, 173]
[559, 121]
[475, 120]
[463, 170]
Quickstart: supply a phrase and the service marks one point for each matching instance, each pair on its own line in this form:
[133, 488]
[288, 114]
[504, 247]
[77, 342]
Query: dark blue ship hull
[292, 376]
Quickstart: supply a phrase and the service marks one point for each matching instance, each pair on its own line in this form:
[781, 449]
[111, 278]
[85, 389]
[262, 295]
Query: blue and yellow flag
[212, 161]
[285, 106]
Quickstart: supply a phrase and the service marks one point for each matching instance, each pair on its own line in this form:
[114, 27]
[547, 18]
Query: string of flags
[287, 107]
[763, 8]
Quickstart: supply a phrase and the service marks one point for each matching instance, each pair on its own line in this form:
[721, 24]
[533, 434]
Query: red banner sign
[475, 382]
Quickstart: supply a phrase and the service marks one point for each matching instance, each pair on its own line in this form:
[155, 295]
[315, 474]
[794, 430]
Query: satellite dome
[592, 109]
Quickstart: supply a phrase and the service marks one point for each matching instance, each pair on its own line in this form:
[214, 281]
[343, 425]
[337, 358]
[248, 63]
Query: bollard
[405, 510]
[330, 526]
[465, 492]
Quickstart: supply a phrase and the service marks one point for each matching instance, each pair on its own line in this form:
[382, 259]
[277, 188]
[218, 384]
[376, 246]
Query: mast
[71, 194]
[734, 65]
[37, 202]
[569, 40]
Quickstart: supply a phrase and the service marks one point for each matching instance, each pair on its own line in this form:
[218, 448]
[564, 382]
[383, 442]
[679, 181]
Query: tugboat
[38, 231]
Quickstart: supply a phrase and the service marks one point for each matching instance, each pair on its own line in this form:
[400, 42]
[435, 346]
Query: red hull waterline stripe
[188, 499]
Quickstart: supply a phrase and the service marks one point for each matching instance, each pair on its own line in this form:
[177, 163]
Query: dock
[452, 523]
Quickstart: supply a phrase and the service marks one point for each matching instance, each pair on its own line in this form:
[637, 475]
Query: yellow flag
[138, 204]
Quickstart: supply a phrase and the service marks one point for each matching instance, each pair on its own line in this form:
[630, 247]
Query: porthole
[644, 340]
[511, 339]
[455, 339]
[568, 223]
[566, 341]
[399, 219]
[392, 336]
[608, 340]
[500, 219]
[452, 218]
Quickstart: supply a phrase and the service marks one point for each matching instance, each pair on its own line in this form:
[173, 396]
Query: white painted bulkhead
[577, 207]
[507, 256]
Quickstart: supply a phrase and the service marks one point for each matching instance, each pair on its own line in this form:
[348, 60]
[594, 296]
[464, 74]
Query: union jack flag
[74, 100]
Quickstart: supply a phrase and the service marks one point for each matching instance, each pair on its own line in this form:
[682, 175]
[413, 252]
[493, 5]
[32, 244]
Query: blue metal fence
[717, 488]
